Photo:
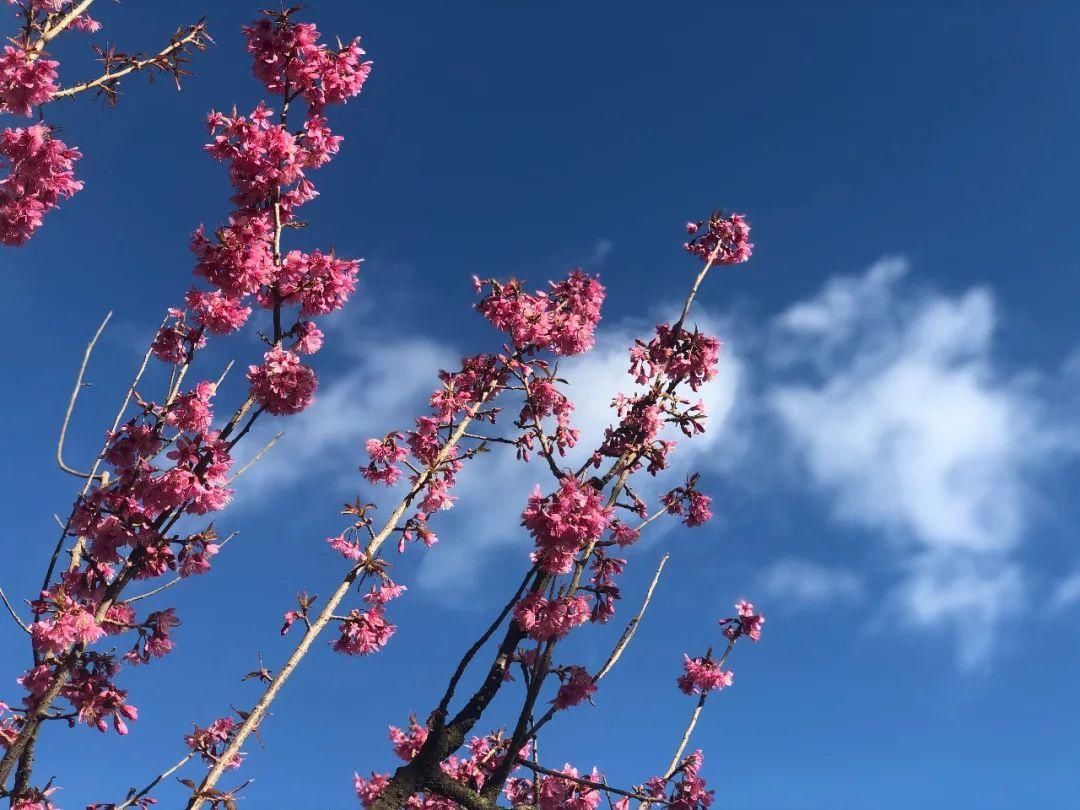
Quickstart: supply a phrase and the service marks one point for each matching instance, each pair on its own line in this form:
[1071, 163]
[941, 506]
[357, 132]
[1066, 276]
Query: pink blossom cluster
[544, 619]
[210, 742]
[363, 632]
[577, 686]
[321, 283]
[747, 622]
[36, 799]
[555, 793]
[564, 523]
[26, 81]
[542, 400]
[688, 792]
[66, 623]
[290, 61]
[9, 726]
[702, 674]
[35, 11]
[481, 757]
[40, 171]
[407, 744]
[723, 240]
[604, 569]
[561, 320]
[36, 169]
[89, 689]
[678, 355]
[268, 168]
[282, 384]
[695, 507]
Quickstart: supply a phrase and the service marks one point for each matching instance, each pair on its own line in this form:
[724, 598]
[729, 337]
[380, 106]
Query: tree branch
[71, 403]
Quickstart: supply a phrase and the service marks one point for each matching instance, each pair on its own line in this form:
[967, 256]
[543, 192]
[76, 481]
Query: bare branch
[134, 797]
[75, 396]
[224, 373]
[259, 455]
[444, 704]
[632, 625]
[169, 59]
[11, 610]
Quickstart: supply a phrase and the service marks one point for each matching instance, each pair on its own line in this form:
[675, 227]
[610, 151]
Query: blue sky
[893, 451]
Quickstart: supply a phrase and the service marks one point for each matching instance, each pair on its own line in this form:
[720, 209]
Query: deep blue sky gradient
[509, 138]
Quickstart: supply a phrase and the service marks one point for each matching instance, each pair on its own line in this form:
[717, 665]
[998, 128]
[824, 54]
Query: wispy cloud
[804, 583]
[894, 403]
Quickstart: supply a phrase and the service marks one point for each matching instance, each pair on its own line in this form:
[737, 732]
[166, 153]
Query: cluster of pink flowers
[89, 689]
[321, 283]
[407, 744]
[564, 523]
[364, 632]
[555, 793]
[268, 168]
[544, 399]
[723, 240]
[483, 755]
[210, 742]
[25, 81]
[677, 355]
[702, 674]
[290, 61]
[67, 623]
[167, 461]
[561, 320]
[694, 506]
[747, 622]
[577, 687]
[688, 793]
[40, 171]
[605, 592]
[543, 619]
[8, 726]
[282, 384]
[39, 167]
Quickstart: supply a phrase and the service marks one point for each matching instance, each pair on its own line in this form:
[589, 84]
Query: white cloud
[804, 583]
[970, 594]
[1066, 592]
[901, 417]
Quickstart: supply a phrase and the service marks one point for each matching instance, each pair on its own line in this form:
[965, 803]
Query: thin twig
[101, 455]
[632, 625]
[134, 797]
[444, 704]
[11, 610]
[228, 368]
[75, 396]
[257, 456]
